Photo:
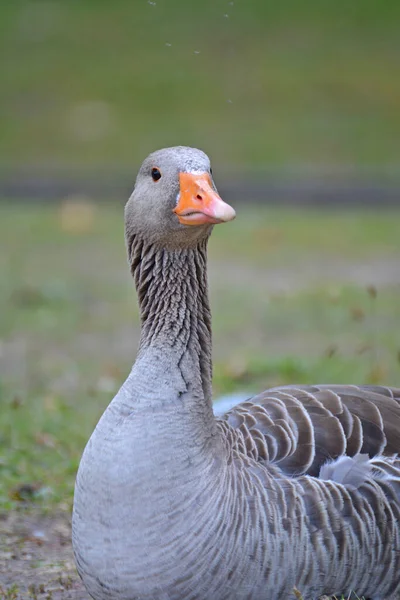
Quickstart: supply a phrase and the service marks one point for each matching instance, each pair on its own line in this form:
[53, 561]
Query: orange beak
[198, 203]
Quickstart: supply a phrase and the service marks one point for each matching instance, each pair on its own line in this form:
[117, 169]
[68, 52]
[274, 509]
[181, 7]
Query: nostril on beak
[199, 197]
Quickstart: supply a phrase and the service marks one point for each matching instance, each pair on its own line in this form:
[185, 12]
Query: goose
[294, 490]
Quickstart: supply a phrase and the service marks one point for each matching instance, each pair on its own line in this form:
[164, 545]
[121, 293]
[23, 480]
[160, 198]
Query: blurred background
[297, 103]
[284, 96]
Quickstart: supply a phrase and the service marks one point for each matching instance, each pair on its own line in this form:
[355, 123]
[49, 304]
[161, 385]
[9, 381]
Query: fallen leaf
[377, 374]
[25, 492]
[77, 215]
[45, 439]
[331, 351]
[372, 291]
[357, 313]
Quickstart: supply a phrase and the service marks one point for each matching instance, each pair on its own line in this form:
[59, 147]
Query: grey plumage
[297, 487]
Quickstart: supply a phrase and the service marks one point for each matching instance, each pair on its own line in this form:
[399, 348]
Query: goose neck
[175, 312]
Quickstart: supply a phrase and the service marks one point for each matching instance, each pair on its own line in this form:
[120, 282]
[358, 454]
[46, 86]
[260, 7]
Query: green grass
[290, 304]
[99, 83]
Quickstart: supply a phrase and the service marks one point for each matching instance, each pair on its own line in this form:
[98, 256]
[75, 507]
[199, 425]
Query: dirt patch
[36, 560]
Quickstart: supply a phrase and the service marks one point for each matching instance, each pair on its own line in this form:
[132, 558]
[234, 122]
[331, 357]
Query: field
[261, 83]
[297, 296]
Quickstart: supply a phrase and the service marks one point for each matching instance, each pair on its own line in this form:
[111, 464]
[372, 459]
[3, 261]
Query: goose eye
[155, 173]
[211, 171]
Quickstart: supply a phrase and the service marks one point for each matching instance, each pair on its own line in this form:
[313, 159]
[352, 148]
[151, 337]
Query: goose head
[175, 202]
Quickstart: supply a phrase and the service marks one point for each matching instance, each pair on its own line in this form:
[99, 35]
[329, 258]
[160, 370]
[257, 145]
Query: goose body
[298, 487]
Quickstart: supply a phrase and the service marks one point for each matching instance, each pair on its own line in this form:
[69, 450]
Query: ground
[38, 549]
[297, 296]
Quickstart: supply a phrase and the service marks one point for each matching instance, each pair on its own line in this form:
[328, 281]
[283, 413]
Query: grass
[87, 83]
[290, 304]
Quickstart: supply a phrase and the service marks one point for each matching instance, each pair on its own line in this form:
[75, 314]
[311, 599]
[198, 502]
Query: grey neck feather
[174, 309]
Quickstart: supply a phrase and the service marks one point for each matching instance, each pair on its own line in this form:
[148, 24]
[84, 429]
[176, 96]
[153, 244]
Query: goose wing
[299, 428]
